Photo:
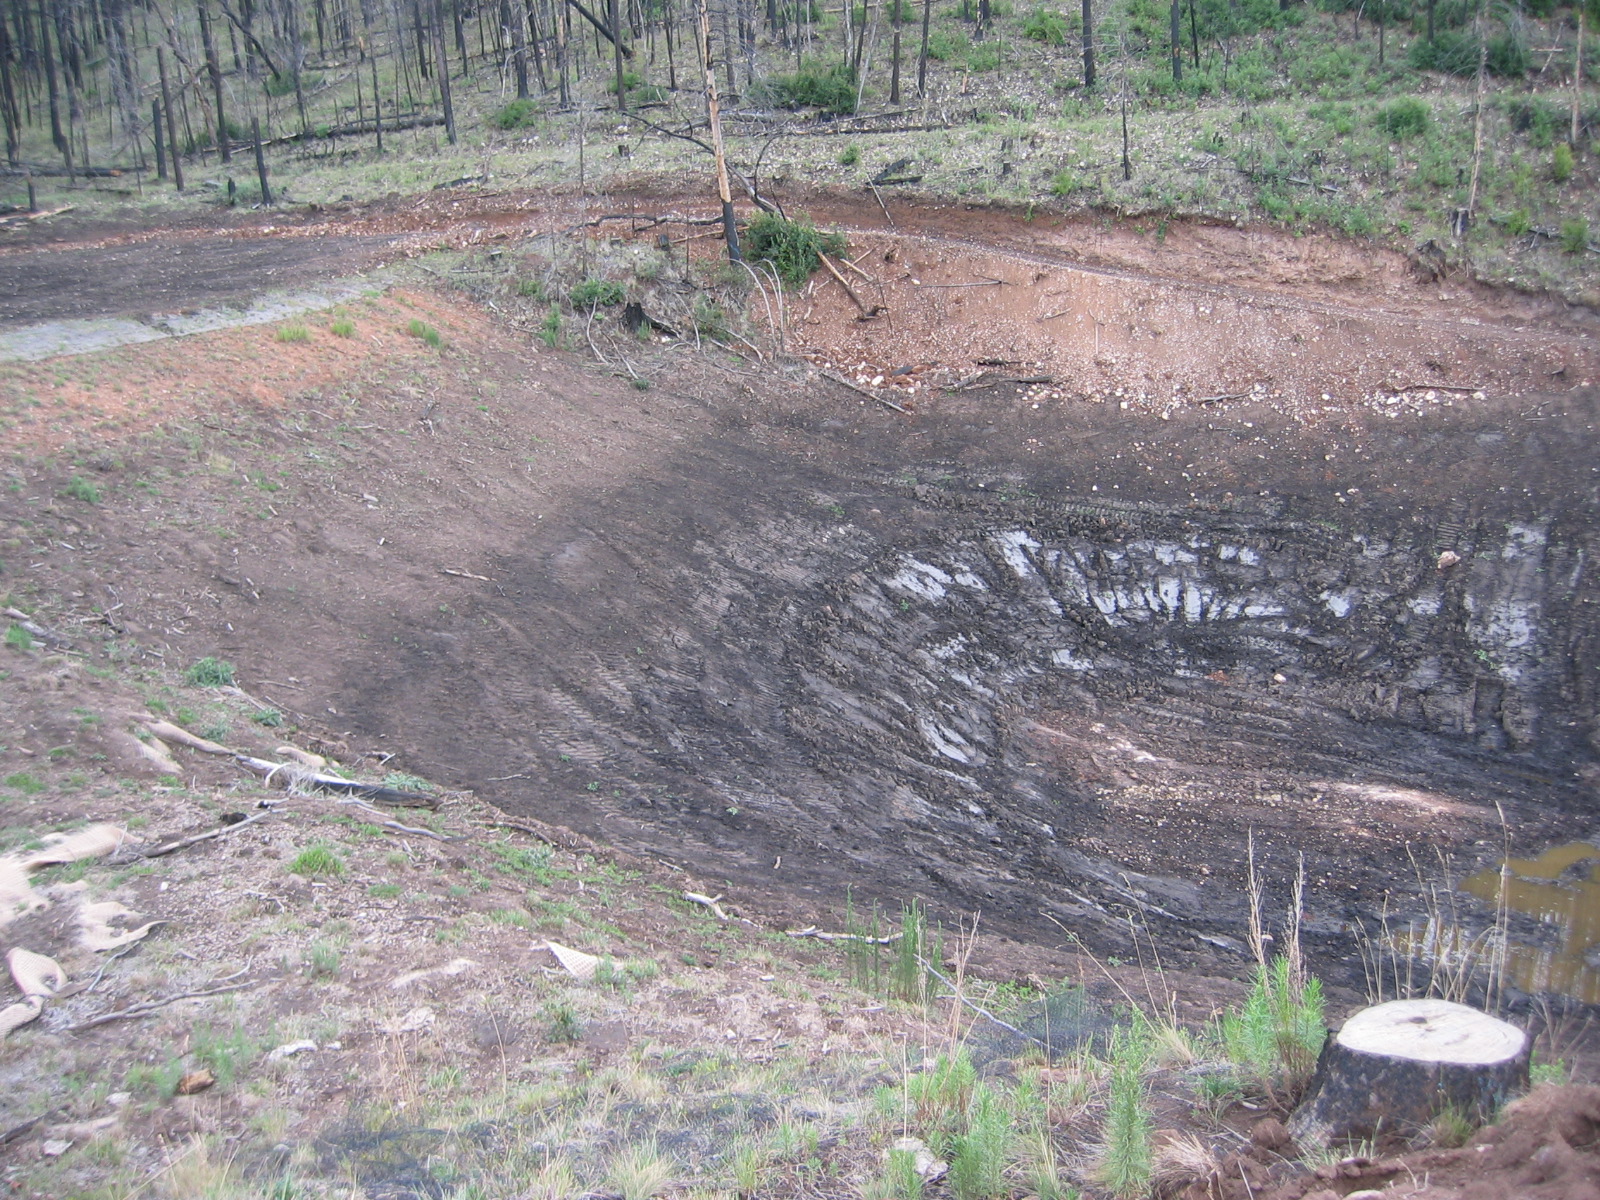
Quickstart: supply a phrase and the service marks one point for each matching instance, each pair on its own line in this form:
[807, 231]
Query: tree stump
[1396, 1066]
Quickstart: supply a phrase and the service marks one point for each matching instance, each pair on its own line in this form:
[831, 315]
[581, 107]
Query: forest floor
[595, 590]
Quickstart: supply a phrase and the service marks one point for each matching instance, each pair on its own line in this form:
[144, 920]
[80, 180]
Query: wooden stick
[707, 902]
[879, 197]
[848, 290]
[862, 391]
[977, 283]
[1438, 387]
[145, 1008]
[185, 843]
[811, 931]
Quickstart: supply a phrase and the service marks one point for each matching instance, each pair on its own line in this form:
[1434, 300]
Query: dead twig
[464, 574]
[848, 290]
[840, 379]
[1436, 387]
[185, 843]
[879, 197]
[710, 902]
[811, 931]
[1225, 396]
[145, 1007]
[984, 282]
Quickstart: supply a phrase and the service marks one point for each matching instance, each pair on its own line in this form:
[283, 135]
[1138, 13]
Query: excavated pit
[810, 653]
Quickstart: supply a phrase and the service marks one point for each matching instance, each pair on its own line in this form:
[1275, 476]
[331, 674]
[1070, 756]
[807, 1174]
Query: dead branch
[1227, 396]
[196, 839]
[710, 902]
[985, 282]
[145, 1007]
[848, 290]
[811, 931]
[464, 574]
[840, 379]
[1437, 387]
[296, 773]
[877, 195]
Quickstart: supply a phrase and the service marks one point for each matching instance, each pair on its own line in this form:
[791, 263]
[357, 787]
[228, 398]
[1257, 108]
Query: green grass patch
[292, 333]
[422, 331]
[597, 293]
[210, 672]
[317, 860]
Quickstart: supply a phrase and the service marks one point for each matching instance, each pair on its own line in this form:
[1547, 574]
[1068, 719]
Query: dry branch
[848, 290]
[840, 379]
[145, 1007]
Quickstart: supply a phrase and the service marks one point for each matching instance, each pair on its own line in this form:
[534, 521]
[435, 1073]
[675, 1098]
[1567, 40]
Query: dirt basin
[1028, 648]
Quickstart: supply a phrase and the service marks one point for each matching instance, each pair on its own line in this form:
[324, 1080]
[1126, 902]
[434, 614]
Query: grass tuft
[292, 333]
[421, 330]
[317, 860]
[210, 672]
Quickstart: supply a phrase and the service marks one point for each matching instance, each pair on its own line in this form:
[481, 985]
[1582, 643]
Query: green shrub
[1518, 222]
[947, 44]
[1125, 1158]
[516, 115]
[18, 638]
[533, 289]
[985, 56]
[420, 329]
[790, 246]
[317, 860]
[1278, 1033]
[1561, 163]
[269, 717]
[850, 156]
[27, 784]
[210, 672]
[1045, 26]
[550, 331]
[831, 88]
[1575, 235]
[710, 318]
[604, 293]
[1452, 52]
[79, 488]
[1065, 182]
[1508, 56]
[1404, 118]
[977, 1163]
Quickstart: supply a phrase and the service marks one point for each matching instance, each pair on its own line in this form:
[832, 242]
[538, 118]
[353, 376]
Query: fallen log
[298, 775]
[1395, 1067]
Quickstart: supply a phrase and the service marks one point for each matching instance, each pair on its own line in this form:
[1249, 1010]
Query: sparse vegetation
[317, 860]
[294, 332]
[424, 332]
[791, 246]
[80, 489]
[342, 327]
[210, 672]
[602, 293]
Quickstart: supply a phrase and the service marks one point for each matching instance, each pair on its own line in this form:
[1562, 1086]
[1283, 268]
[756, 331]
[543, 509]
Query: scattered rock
[195, 1081]
[923, 1162]
[289, 1050]
[1448, 559]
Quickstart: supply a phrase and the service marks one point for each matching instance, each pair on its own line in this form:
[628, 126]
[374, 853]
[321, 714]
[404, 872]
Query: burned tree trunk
[1395, 1067]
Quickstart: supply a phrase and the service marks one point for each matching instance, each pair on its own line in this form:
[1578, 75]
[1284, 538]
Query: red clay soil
[1546, 1148]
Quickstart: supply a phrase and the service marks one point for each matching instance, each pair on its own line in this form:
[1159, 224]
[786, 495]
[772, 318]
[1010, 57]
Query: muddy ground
[1047, 650]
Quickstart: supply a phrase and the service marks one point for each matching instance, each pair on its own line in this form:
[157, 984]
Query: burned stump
[1396, 1066]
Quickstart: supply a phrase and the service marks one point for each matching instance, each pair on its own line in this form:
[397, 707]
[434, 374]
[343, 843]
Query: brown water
[1560, 888]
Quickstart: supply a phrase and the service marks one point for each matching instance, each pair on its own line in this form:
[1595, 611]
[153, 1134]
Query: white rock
[289, 1049]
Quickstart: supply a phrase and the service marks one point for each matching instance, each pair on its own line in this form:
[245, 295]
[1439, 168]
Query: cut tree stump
[1396, 1066]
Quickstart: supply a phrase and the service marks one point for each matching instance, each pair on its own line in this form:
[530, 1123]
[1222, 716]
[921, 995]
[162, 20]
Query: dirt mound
[1546, 1148]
